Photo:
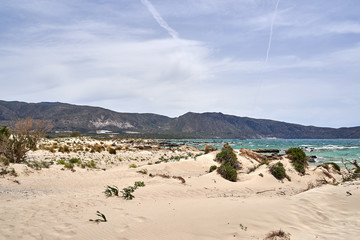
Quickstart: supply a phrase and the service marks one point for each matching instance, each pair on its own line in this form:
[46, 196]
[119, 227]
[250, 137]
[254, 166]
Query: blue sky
[298, 63]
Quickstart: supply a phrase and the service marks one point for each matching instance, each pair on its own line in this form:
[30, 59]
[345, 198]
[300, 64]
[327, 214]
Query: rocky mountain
[68, 117]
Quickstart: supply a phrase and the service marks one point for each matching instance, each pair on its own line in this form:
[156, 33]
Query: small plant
[209, 148]
[127, 193]
[213, 168]
[75, 161]
[133, 166]
[61, 162]
[261, 175]
[143, 171]
[298, 159]
[227, 172]
[139, 184]
[112, 151]
[278, 171]
[243, 227]
[102, 219]
[109, 191]
[279, 234]
[228, 157]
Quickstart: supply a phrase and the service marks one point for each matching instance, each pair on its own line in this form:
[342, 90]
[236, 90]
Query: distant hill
[86, 119]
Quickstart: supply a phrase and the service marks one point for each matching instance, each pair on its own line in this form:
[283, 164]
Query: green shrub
[227, 172]
[143, 171]
[298, 159]
[228, 157]
[75, 160]
[278, 171]
[213, 168]
[60, 162]
[335, 165]
[139, 184]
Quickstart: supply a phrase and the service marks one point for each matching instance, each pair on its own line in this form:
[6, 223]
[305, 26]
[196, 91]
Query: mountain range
[87, 119]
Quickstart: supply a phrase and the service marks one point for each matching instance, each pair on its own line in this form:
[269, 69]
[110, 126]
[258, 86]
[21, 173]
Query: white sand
[57, 204]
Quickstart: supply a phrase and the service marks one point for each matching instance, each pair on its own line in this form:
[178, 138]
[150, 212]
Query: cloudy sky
[290, 60]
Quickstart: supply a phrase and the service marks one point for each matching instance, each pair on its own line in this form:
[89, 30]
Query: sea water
[325, 150]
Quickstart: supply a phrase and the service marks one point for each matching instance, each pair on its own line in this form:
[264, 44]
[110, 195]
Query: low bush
[227, 172]
[278, 171]
[110, 191]
[298, 159]
[112, 151]
[228, 157]
[213, 168]
[209, 148]
[133, 166]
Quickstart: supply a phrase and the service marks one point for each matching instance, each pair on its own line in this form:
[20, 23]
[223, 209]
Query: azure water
[326, 150]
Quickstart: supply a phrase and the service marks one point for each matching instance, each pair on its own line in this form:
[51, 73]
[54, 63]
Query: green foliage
[5, 161]
[127, 192]
[38, 165]
[11, 172]
[278, 171]
[139, 184]
[143, 171]
[261, 175]
[133, 166]
[109, 191]
[227, 172]
[61, 162]
[298, 159]
[335, 165]
[75, 160]
[101, 219]
[213, 168]
[228, 157]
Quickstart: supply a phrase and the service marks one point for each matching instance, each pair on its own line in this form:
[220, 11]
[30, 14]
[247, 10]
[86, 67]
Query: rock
[266, 150]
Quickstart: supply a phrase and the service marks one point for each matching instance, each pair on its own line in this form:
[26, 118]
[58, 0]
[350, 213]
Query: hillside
[68, 117]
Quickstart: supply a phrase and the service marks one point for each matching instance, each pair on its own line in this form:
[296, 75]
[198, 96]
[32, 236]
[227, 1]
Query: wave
[330, 147]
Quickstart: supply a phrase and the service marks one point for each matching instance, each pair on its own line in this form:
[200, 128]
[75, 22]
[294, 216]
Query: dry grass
[277, 235]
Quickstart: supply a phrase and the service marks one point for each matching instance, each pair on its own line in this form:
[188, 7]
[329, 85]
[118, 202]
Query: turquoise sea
[326, 150]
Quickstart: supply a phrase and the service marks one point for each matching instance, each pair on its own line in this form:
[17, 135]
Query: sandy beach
[181, 199]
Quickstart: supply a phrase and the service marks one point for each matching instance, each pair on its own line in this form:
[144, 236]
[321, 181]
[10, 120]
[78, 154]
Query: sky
[287, 60]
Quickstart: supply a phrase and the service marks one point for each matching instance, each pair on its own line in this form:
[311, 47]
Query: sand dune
[57, 204]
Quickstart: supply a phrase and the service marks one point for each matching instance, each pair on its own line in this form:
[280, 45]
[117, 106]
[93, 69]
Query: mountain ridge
[70, 117]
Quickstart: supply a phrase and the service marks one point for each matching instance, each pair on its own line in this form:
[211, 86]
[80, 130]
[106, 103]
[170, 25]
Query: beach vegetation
[213, 168]
[261, 175]
[22, 137]
[278, 171]
[351, 173]
[4, 161]
[209, 148]
[143, 171]
[127, 192]
[277, 235]
[298, 159]
[133, 166]
[112, 150]
[334, 165]
[111, 191]
[11, 172]
[101, 219]
[227, 172]
[228, 157]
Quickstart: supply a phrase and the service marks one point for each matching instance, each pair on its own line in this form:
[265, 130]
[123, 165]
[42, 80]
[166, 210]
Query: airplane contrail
[156, 15]
[271, 31]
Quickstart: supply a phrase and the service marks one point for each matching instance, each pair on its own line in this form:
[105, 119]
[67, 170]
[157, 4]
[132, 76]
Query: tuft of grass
[112, 150]
[110, 191]
[133, 166]
[143, 171]
[101, 219]
[261, 175]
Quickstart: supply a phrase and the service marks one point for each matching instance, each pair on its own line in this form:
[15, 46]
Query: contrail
[156, 15]
[271, 31]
